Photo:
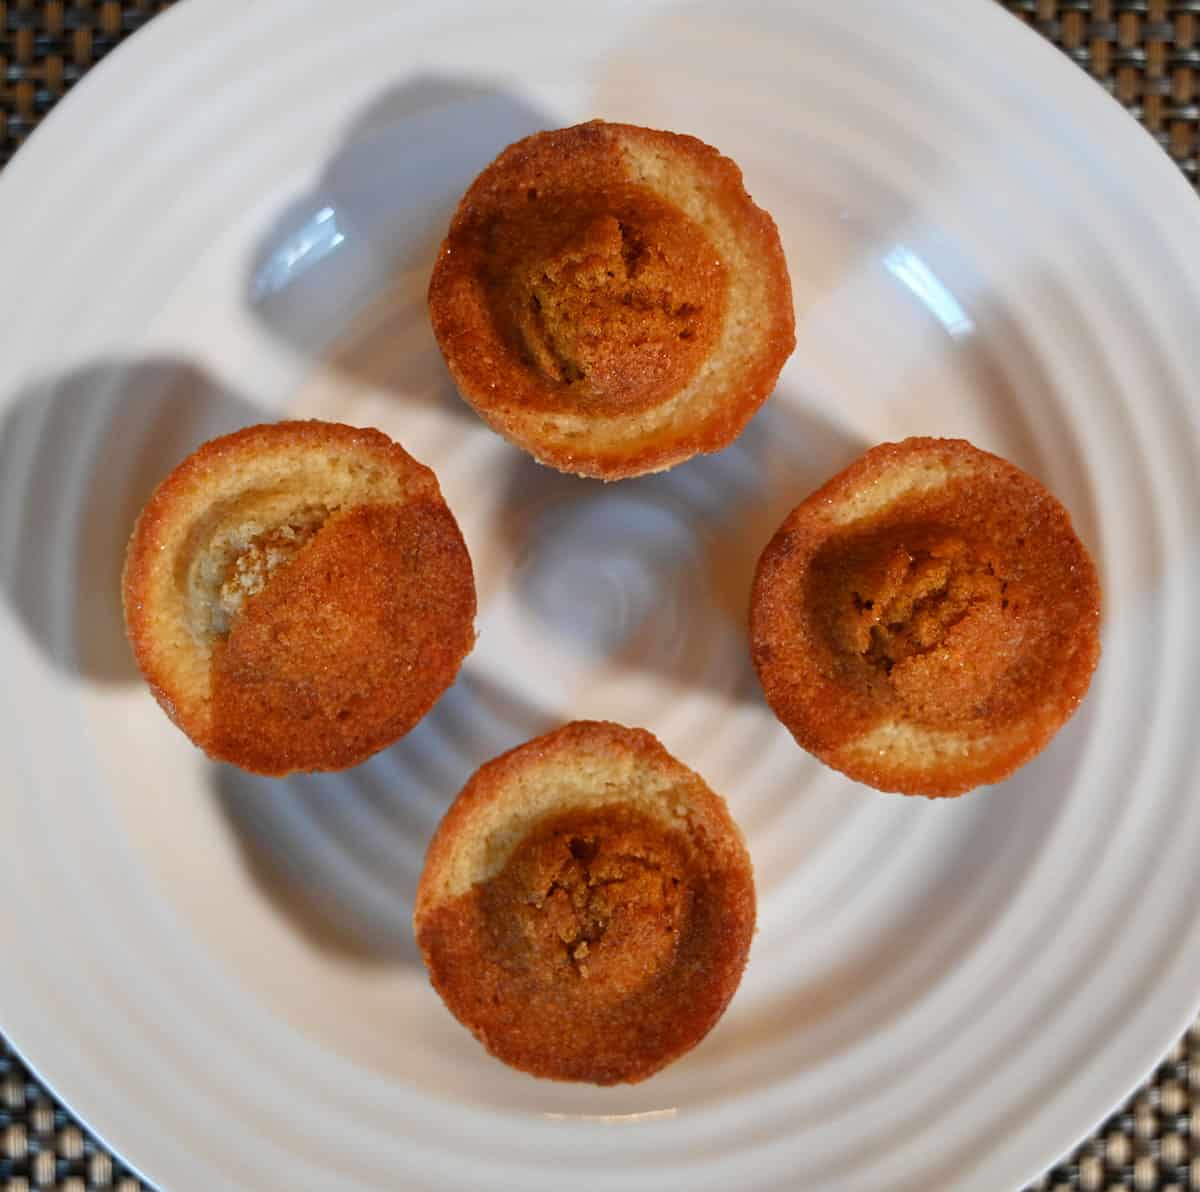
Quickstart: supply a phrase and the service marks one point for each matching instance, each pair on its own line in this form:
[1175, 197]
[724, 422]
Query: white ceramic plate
[233, 219]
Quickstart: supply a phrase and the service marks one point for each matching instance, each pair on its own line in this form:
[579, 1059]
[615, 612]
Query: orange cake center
[593, 897]
[621, 301]
[925, 610]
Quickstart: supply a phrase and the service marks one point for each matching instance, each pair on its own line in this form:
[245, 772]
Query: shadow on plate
[79, 456]
[342, 273]
[654, 573]
[339, 855]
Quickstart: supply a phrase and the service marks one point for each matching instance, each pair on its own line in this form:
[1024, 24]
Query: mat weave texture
[1146, 53]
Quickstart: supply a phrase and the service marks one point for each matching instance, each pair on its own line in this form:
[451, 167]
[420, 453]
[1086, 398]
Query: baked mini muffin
[926, 621]
[610, 299]
[298, 595]
[587, 906]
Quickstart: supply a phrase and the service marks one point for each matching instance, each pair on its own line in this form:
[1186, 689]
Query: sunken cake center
[909, 600]
[600, 896]
[927, 613]
[624, 302]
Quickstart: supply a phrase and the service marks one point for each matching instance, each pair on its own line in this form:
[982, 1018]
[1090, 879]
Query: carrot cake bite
[298, 595]
[586, 906]
[610, 299]
[927, 620]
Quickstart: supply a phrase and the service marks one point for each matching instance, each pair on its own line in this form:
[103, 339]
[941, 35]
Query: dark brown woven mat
[1145, 52]
[46, 46]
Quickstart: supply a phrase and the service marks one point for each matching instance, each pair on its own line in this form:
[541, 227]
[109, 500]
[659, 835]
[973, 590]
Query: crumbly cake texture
[927, 620]
[610, 299]
[587, 906]
[298, 595]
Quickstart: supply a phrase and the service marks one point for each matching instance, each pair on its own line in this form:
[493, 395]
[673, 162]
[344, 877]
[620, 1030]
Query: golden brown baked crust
[927, 620]
[298, 595]
[609, 298]
[587, 906]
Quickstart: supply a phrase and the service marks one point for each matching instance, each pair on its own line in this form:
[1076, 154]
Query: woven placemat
[1145, 52]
